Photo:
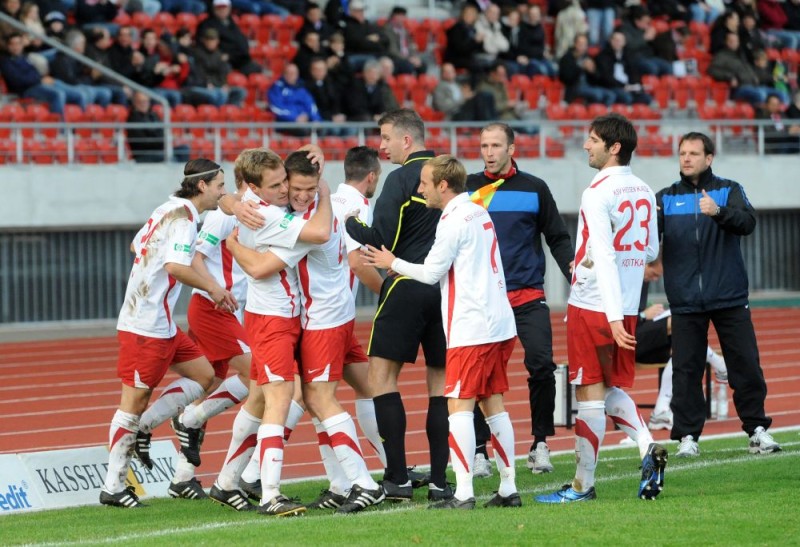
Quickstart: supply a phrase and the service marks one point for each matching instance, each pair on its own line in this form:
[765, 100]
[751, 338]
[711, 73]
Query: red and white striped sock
[462, 452]
[170, 403]
[590, 429]
[365, 413]
[503, 446]
[229, 393]
[344, 440]
[241, 448]
[121, 436]
[270, 448]
[624, 412]
[333, 469]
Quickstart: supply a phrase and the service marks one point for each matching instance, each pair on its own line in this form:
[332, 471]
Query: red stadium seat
[86, 151]
[187, 20]
[269, 28]
[164, 21]
[250, 24]
[141, 20]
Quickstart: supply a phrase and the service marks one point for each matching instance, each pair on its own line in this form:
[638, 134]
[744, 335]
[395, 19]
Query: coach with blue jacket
[701, 219]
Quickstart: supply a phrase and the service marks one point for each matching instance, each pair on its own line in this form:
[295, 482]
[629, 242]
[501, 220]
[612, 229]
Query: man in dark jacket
[527, 42]
[232, 41]
[147, 143]
[616, 72]
[464, 42]
[578, 71]
[210, 71]
[701, 219]
[363, 39]
[523, 210]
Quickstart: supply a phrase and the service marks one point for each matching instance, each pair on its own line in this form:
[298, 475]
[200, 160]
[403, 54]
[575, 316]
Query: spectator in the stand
[175, 74]
[233, 42]
[639, 33]
[183, 6]
[260, 7]
[121, 55]
[97, 13]
[77, 75]
[779, 137]
[464, 42]
[155, 65]
[776, 23]
[705, 11]
[30, 17]
[147, 143]
[727, 22]
[339, 68]
[12, 9]
[22, 78]
[369, 97]
[752, 38]
[210, 74]
[335, 13]
[458, 101]
[494, 41]
[570, 22]
[327, 96]
[527, 51]
[314, 21]
[730, 65]
[496, 83]
[616, 72]
[793, 112]
[600, 15]
[792, 10]
[671, 10]
[363, 39]
[578, 72]
[772, 74]
[55, 26]
[290, 101]
[401, 46]
[310, 48]
[99, 50]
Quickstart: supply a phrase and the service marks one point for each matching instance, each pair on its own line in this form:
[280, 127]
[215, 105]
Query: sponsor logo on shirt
[183, 248]
[287, 218]
[208, 237]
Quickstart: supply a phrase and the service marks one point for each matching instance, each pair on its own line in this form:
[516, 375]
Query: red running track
[62, 394]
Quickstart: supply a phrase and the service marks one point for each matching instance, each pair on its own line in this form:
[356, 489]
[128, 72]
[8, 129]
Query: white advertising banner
[16, 487]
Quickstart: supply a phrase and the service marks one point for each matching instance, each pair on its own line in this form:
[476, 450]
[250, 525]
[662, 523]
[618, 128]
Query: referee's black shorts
[653, 344]
[409, 314]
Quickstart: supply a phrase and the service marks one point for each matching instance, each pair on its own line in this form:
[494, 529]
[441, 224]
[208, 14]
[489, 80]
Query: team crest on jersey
[286, 220]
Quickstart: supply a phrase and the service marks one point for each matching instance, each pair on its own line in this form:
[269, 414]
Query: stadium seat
[554, 90]
[206, 113]
[250, 25]
[187, 20]
[594, 110]
[164, 21]
[201, 148]
[622, 109]
[141, 20]
[86, 151]
[469, 147]
[269, 28]
[720, 92]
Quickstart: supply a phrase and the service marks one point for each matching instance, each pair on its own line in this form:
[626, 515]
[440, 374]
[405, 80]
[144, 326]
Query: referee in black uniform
[409, 312]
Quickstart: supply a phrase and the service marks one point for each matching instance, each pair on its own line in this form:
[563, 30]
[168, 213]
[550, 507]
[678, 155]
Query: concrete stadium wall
[124, 195]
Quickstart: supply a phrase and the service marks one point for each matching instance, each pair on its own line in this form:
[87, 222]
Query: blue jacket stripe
[510, 201]
[687, 204]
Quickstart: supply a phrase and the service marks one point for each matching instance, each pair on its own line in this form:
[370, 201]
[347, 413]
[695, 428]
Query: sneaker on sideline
[361, 498]
[141, 449]
[397, 492]
[440, 494]
[454, 503]
[235, 499]
[189, 439]
[482, 467]
[252, 489]
[127, 498]
[762, 442]
[188, 490]
[660, 420]
[688, 448]
[539, 459]
[567, 494]
[512, 500]
[653, 465]
[327, 500]
[281, 506]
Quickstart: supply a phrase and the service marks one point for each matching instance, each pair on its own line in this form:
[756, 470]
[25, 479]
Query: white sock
[270, 448]
[292, 418]
[170, 403]
[665, 393]
[590, 428]
[242, 446]
[252, 472]
[184, 471]
[623, 412]
[503, 446]
[462, 452]
[365, 412]
[230, 392]
[121, 436]
[716, 361]
[342, 432]
[333, 469]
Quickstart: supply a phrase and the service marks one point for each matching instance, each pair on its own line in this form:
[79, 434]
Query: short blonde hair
[251, 164]
[448, 168]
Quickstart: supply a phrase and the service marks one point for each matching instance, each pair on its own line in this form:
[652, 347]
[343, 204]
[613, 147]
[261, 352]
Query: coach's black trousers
[738, 340]
[536, 335]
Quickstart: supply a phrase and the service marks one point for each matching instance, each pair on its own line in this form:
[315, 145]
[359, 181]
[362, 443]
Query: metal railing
[61, 142]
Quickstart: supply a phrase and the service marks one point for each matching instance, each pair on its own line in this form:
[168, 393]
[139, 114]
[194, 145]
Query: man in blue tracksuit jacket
[701, 219]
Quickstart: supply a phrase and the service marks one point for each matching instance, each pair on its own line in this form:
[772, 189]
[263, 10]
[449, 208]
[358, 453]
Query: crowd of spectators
[344, 64]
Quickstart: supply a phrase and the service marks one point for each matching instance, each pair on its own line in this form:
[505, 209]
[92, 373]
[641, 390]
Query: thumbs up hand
[708, 206]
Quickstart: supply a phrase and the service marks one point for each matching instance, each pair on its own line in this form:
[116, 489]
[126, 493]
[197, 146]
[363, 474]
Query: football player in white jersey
[150, 341]
[617, 236]
[479, 325]
[273, 325]
[223, 340]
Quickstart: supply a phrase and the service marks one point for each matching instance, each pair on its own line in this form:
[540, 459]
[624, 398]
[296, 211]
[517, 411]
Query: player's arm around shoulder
[318, 228]
[255, 264]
